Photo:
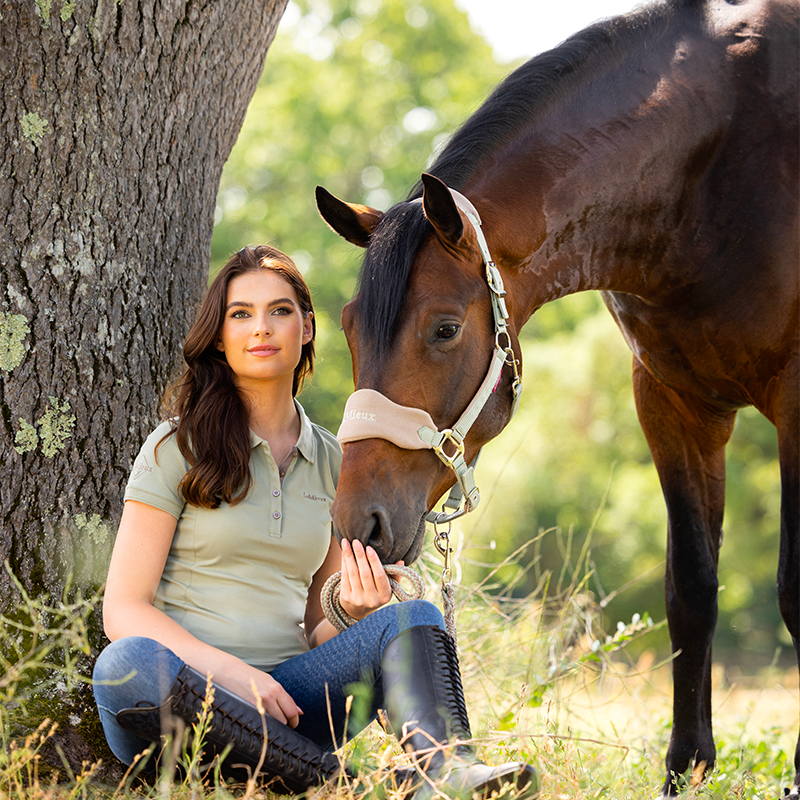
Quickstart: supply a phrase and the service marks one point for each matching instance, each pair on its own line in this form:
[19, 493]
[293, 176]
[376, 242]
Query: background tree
[116, 119]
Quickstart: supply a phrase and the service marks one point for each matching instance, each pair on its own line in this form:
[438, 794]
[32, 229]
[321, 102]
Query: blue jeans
[135, 670]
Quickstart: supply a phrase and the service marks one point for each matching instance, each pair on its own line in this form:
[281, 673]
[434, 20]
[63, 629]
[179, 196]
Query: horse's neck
[607, 193]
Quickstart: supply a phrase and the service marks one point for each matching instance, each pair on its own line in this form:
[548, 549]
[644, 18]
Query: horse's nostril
[377, 538]
[377, 548]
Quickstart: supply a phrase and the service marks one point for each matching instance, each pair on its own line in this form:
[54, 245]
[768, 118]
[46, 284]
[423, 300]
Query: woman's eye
[447, 331]
[282, 311]
[239, 314]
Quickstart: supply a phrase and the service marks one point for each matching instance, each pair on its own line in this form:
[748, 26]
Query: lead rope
[341, 620]
[441, 542]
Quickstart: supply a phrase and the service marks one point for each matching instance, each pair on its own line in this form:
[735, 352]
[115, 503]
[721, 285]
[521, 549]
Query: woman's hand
[364, 587]
[277, 702]
[365, 584]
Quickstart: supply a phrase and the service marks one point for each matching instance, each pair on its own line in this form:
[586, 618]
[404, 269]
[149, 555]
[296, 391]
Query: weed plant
[545, 683]
[44, 652]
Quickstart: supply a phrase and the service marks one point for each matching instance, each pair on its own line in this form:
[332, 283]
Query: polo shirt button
[276, 514]
[276, 492]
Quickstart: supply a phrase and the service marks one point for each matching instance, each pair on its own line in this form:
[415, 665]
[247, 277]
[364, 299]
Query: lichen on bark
[55, 427]
[93, 527]
[13, 330]
[26, 439]
[33, 127]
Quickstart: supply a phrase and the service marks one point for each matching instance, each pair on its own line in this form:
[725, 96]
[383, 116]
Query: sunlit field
[544, 683]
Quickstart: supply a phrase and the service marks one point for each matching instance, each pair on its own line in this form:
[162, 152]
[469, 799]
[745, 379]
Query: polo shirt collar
[306, 442]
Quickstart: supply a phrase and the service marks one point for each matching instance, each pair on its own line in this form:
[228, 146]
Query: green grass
[544, 684]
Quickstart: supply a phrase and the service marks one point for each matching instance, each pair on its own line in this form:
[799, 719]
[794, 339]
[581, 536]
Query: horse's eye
[447, 331]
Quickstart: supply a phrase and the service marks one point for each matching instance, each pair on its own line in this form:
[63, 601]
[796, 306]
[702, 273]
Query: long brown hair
[209, 415]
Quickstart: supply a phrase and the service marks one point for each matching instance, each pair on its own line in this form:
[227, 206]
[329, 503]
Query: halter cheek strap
[370, 415]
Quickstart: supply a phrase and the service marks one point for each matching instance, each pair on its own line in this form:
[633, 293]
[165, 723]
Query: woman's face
[264, 329]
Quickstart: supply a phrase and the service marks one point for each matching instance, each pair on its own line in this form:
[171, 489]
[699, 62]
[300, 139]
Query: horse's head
[423, 339]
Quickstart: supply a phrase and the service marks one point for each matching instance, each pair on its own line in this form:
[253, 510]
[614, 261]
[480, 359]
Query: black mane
[384, 272]
[528, 92]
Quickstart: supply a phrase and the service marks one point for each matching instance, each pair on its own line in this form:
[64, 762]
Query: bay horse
[653, 157]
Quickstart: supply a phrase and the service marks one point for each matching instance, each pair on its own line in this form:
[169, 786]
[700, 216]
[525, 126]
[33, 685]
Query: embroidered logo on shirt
[140, 467]
[314, 497]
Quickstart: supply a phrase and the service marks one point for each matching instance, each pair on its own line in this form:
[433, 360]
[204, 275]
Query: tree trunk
[116, 118]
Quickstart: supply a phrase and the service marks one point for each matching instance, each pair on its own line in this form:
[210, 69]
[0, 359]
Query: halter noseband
[370, 415]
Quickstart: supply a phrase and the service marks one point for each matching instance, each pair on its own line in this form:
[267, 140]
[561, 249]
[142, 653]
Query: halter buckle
[495, 279]
[448, 436]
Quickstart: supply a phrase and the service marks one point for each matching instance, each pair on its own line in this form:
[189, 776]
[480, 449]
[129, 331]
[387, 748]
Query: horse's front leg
[688, 441]
[787, 421]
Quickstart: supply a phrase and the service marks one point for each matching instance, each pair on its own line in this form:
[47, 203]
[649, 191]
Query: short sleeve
[157, 472]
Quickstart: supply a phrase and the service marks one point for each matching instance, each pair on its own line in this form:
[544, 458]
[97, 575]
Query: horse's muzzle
[373, 526]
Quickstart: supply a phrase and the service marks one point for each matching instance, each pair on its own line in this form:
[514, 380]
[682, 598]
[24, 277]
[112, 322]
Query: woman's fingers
[278, 703]
[364, 565]
[378, 573]
[290, 711]
[374, 580]
[365, 584]
[356, 568]
[348, 567]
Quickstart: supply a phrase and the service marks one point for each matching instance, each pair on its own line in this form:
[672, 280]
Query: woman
[223, 547]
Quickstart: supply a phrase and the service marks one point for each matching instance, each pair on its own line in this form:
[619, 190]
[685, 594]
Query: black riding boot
[294, 762]
[425, 705]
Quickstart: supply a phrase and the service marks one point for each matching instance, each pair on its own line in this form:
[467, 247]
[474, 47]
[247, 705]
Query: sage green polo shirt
[237, 576]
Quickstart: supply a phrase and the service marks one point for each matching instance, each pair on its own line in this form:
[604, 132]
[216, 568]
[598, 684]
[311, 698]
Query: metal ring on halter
[452, 438]
[443, 551]
[440, 517]
[498, 334]
[511, 356]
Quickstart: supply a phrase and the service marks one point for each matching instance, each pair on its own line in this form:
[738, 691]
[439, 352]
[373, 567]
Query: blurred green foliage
[575, 459]
[357, 96]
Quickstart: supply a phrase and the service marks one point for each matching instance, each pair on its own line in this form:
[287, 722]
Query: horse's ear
[441, 209]
[351, 221]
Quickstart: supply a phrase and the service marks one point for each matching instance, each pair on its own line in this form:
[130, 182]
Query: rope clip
[442, 543]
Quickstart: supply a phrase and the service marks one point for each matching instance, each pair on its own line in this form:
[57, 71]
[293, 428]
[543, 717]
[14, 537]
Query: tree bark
[116, 118]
